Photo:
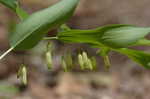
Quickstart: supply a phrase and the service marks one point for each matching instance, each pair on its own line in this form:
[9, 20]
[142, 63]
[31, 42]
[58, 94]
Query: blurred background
[124, 80]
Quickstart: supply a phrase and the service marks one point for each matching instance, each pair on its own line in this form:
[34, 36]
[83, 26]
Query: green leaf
[114, 36]
[12, 4]
[29, 32]
[21, 13]
[123, 36]
[92, 36]
[142, 42]
[79, 36]
[140, 57]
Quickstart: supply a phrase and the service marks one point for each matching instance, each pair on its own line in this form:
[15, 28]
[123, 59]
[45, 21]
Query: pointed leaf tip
[140, 57]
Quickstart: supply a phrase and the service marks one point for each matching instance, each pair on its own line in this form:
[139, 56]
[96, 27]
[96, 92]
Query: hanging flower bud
[48, 55]
[80, 60]
[85, 58]
[64, 65]
[94, 64]
[22, 74]
[85, 62]
[89, 64]
[49, 59]
[106, 62]
[69, 60]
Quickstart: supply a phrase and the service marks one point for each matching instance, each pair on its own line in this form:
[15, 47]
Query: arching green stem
[50, 38]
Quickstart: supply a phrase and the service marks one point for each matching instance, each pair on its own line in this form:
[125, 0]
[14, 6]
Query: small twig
[106, 62]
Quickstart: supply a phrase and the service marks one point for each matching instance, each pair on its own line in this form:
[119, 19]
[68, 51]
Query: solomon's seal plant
[33, 28]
